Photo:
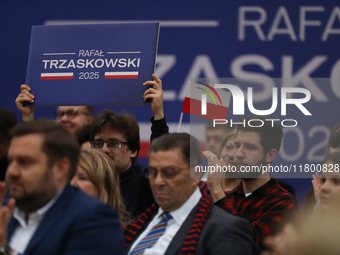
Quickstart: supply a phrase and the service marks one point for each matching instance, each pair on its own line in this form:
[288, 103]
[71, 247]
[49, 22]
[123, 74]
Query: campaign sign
[103, 64]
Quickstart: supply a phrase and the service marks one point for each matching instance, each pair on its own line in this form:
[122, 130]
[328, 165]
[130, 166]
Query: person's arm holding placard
[25, 95]
[155, 93]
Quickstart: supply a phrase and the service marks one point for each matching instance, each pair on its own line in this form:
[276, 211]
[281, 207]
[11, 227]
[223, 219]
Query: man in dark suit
[182, 220]
[50, 216]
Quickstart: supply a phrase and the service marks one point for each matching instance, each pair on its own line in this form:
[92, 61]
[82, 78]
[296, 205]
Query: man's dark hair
[7, 121]
[83, 134]
[90, 109]
[270, 132]
[123, 123]
[188, 145]
[58, 142]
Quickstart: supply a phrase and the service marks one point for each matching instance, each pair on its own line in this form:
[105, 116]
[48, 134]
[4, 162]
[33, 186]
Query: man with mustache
[258, 198]
[183, 221]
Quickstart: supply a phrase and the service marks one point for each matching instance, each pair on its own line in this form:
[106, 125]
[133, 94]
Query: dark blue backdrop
[263, 39]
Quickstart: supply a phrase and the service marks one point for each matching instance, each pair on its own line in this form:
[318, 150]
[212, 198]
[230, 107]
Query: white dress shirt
[177, 218]
[25, 230]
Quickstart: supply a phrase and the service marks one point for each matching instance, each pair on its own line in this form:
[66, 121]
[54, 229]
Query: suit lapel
[179, 238]
[11, 227]
[50, 219]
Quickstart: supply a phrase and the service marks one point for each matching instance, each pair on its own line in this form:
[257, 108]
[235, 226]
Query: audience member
[215, 135]
[258, 198]
[313, 196]
[226, 156]
[73, 118]
[7, 121]
[319, 234]
[117, 135]
[333, 140]
[52, 217]
[182, 221]
[97, 176]
[84, 137]
[329, 192]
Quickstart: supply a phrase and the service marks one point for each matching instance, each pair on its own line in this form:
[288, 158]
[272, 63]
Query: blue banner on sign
[103, 64]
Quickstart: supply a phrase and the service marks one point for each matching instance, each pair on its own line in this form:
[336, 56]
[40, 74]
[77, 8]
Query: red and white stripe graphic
[209, 109]
[56, 76]
[121, 75]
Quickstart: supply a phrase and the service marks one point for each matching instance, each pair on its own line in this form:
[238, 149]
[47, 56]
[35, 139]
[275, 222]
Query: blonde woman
[96, 176]
[218, 186]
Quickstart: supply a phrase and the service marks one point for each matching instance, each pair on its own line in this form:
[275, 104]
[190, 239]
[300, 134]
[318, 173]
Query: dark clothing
[158, 128]
[266, 208]
[287, 187]
[134, 186]
[76, 224]
[136, 191]
[206, 230]
[3, 168]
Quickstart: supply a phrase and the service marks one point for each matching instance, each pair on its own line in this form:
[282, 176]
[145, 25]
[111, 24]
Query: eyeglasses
[111, 144]
[167, 173]
[69, 113]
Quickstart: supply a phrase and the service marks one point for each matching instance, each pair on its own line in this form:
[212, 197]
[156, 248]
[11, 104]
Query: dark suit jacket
[223, 233]
[76, 224]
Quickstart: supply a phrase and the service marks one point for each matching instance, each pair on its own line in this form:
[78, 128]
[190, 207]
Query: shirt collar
[263, 190]
[180, 214]
[39, 214]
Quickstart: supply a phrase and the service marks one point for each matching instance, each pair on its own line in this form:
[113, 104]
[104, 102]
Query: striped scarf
[190, 243]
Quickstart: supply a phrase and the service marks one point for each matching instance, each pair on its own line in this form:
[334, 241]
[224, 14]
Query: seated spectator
[96, 176]
[7, 122]
[319, 234]
[313, 195]
[117, 135]
[329, 193]
[50, 216]
[182, 221]
[215, 135]
[333, 140]
[258, 198]
[226, 156]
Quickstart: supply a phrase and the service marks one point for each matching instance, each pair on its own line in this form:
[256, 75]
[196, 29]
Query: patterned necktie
[150, 239]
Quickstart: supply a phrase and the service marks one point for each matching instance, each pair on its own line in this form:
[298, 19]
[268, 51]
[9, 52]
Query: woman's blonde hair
[103, 174]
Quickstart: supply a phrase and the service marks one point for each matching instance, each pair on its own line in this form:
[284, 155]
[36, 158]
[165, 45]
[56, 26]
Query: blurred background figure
[313, 195]
[83, 137]
[97, 176]
[330, 188]
[226, 155]
[319, 234]
[333, 140]
[315, 237]
[7, 122]
[215, 135]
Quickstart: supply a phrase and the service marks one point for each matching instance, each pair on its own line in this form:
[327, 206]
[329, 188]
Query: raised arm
[155, 93]
[27, 113]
